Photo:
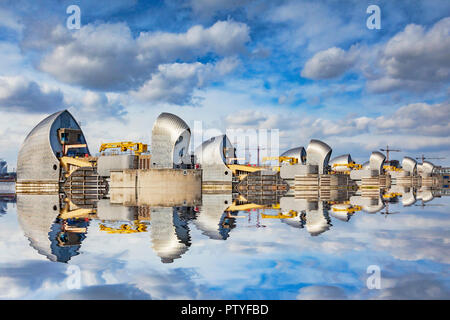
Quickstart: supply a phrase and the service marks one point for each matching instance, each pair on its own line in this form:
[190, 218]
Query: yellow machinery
[246, 206]
[70, 164]
[71, 211]
[252, 206]
[349, 210]
[354, 166]
[125, 228]
[391, 195]
[391, 168]
[242, 170]
[291, 214]
[290, 160]
[350, 166]
[137, 147]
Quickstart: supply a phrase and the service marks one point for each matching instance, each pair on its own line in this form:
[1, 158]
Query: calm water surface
[179, 255]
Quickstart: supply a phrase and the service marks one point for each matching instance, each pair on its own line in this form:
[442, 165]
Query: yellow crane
[291, 160]
[355, 166]
[124, 146]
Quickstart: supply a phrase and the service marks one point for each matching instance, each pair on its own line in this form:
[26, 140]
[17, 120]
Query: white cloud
[414, 59]
[316, 292]
[223, 38]
[99, 106]
[329, 63]
[174, 83]
[413, 119]
[414, 286]
[315, 26]
[416, 54]
[108, 57]
[18, 94]
[417, 118]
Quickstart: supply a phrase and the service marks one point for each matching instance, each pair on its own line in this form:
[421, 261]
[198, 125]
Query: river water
[179, 254]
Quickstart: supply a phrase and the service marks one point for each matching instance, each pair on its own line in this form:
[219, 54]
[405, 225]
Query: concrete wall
[114, 212]
[290, 171]
[116, 162]
[156, 187]
[217, 173]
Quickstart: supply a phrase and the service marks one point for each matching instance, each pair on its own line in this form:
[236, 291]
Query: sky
[310, 69]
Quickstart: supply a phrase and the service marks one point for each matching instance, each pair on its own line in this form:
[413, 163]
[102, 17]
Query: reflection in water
[212, 219]
[163, 211]
[56, 227]
[4, 200]
[38, 218]
[169, 233]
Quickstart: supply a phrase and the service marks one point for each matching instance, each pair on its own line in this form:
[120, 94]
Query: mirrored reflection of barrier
[57, 239]
[56, 227]
[169, 234]
[212, 218]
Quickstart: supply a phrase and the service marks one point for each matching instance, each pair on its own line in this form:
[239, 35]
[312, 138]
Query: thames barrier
[169, 186]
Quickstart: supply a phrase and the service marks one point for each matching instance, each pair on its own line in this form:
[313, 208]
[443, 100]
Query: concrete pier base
[156, 187]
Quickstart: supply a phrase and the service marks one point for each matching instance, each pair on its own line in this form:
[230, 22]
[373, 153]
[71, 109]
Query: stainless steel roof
[409, 165]
[37, 156]
[377, 161]
[298, 152]
[170, 140]
[214, 151]
[318, 153]
[340, 161]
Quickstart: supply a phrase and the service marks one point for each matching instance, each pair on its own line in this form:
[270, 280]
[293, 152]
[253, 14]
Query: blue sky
[311, 69]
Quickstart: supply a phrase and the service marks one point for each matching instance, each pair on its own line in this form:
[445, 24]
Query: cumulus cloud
[223, 38]
[415, 119]
[416, 54]
[249, 118]
[415, 59]
[416, 127]
[330, 63]
[174, 83]
[99, 57]
[108, 57]
[418, 118]
[18, 94]
[414, 286]
[98, 105]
